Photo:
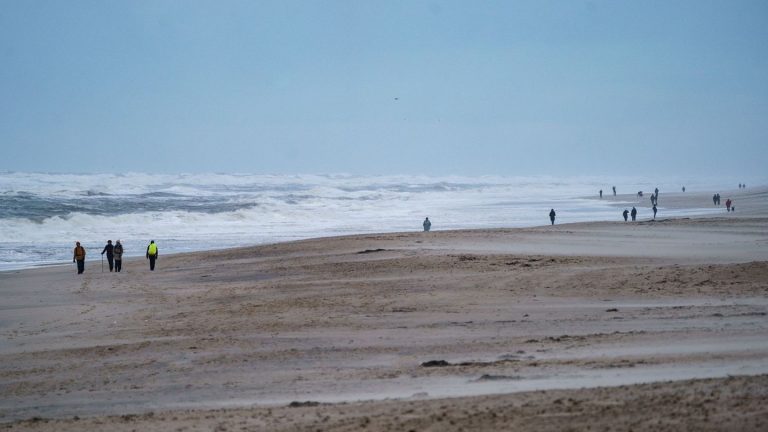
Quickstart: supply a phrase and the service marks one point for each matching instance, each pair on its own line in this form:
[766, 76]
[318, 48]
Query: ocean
[43, 214]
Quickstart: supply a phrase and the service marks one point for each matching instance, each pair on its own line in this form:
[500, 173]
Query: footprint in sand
[84, 285]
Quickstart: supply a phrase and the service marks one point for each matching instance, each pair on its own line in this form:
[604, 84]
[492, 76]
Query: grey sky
[377, 87]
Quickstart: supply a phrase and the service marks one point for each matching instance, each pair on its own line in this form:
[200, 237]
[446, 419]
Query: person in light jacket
[152, 254]
[118, 253]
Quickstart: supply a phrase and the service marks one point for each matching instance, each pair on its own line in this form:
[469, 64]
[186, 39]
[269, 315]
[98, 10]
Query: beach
[651, 325]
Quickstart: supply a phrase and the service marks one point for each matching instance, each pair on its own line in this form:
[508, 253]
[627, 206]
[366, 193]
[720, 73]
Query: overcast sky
[385, 87]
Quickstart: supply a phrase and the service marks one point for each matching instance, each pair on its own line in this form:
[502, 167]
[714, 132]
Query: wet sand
[649, 325]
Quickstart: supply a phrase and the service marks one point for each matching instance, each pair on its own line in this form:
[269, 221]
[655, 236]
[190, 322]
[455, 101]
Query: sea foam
[41, 215]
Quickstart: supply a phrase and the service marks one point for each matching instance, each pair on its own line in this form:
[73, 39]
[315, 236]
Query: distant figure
[79, 256]
[656, 192]
[552, 216]
[601, 194]
[614, 191]
[714, 199]
[728, 204]
[718, 198]
[110, 250]
[739, 185]
[427, 224]
[654, 212]
[683, 189]
[653, 200]
[152, 254]
[118, 251]
[625, 214]
[634, 214]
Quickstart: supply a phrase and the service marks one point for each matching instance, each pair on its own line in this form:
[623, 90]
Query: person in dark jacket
[427, 225]
[152, 254]
[625, 213]
[118, 251]
[552, 215]
[654, 212]
[634, 214]
[79, 256]
[110, 250]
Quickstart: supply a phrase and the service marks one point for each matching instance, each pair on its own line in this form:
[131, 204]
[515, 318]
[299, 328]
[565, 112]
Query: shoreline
[689, 204]
[337, 318]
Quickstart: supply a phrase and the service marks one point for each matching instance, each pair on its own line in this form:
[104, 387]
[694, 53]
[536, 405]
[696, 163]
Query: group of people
[614, 192]
[728, 203]
[633, 213]
[114, 255]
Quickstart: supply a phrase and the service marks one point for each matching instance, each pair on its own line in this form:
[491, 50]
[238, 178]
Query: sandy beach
[652, 325]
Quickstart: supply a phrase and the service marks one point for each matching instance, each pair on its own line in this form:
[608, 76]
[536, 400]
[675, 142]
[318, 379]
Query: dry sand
[645, 326]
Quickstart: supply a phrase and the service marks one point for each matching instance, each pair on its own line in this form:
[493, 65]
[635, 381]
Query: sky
[508, 87]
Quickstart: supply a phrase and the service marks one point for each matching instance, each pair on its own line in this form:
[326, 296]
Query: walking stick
[102, 263]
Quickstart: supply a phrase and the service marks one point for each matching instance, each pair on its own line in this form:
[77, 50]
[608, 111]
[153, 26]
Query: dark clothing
[625, 213]
[79, 253]
[634, 213]
[552, 216]
[79, 257]
[110, 250]
[152, 259]
[118, 265]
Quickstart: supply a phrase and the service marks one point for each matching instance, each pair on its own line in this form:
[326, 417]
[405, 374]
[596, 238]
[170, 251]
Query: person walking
[79, 257]
[552, 215]
[634, 214]
[427, 225]
[728, 204]
[625, 213]
[601, 194]
[110, 250]
[654, 212]
[118, 252]
[614, 191]
[152, 254]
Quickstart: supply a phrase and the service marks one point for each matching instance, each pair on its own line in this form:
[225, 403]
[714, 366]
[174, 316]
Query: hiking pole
[102, 263]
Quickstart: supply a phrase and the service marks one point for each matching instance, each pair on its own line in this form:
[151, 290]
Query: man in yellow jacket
[79, 256]
[152, 254]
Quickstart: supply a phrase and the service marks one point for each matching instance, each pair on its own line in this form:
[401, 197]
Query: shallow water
[41, 215]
